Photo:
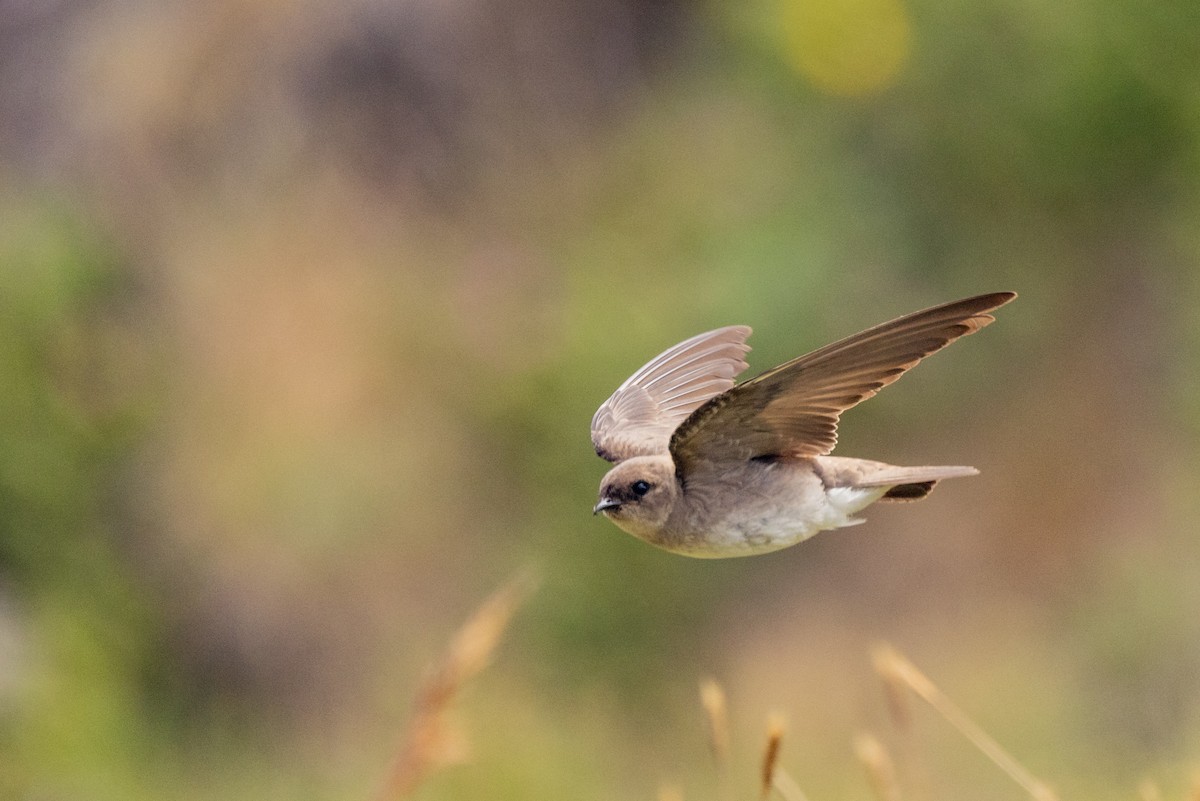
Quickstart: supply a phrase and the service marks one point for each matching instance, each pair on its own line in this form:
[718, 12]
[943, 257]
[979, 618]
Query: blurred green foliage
[84, 646]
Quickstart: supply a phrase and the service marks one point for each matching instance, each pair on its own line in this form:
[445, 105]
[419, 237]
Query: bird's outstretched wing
[641, 415]
[793, 409]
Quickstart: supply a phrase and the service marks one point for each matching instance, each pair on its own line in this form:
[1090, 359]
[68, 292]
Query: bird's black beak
[604, 505]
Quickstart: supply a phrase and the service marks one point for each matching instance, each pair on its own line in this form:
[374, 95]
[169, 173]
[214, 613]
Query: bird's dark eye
[640, 488]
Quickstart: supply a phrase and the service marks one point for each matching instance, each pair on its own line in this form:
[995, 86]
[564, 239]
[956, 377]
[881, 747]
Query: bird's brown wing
[793, 409]
[641, 415]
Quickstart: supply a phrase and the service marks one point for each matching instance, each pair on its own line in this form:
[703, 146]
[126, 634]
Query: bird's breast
[754, 508]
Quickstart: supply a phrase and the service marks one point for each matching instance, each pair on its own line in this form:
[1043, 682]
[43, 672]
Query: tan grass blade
[909, 761]
[716, 714]
[429, 743]
[929, 692]
[716, 711]
[881, 772]
[787, 787]
[1148, 791]
[895, 688]
[775, 729]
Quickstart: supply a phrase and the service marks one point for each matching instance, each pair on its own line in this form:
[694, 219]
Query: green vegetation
[304, 313]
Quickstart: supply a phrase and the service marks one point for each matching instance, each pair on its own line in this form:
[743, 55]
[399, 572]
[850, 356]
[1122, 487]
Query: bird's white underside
[786, 525]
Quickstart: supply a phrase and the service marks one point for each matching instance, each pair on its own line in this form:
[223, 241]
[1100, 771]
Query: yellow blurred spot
[846, 47]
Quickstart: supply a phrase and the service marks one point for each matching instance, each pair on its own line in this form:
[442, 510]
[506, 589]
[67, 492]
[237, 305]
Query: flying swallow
[708, 469]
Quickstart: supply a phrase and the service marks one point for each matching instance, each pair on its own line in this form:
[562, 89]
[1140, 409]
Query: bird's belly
[788, 507]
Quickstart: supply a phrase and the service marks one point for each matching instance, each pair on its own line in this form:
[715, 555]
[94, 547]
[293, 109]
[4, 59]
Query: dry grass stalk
[429, 743]
[1194, 793]
[895, 689]
[775, 729]
[881, 772]
[787, 787]
[716, 711]
[909, 761]
[898, 665]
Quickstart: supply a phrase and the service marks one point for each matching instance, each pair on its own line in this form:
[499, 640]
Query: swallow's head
[638, 494]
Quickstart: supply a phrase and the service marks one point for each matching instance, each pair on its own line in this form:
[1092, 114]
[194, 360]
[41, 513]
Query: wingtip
[960, 471]
[986, 304]
[742, 331]
[997, 299]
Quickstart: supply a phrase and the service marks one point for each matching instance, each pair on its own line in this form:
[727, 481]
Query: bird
[707, 469]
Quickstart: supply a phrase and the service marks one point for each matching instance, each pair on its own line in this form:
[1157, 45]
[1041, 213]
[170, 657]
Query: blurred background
[305, 309]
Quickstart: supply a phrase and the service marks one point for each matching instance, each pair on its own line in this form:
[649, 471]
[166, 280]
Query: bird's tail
[903, 483]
